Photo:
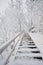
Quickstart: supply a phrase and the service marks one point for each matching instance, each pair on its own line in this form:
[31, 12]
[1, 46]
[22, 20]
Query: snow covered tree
[3, 32]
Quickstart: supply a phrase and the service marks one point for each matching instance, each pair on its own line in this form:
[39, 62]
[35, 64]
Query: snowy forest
[21, 15]
[21, 32]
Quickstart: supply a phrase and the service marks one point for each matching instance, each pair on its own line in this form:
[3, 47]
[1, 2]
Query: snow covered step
[31, 44]
[30, 57]
[35, 51]
[29, 50]
[28, 54]
[31, 47]
[26, 49]
[27, 41]
[40, 58]
[27, 46]
[27, 38]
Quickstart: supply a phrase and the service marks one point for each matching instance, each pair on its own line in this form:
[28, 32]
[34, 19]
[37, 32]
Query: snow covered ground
[38, 39]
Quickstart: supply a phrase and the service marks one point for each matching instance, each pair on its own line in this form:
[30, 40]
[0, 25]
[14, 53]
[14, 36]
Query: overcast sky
[3, 4]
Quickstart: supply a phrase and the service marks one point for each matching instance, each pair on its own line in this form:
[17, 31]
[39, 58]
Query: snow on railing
[15, 48]
[5, 45]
